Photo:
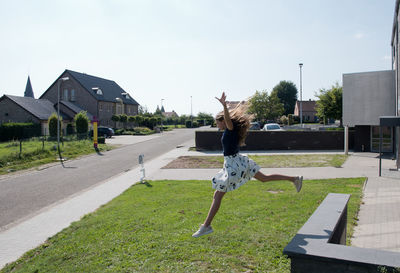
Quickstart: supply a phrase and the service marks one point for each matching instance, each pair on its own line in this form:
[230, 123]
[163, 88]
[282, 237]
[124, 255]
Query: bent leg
[273, 177]
[214, 207]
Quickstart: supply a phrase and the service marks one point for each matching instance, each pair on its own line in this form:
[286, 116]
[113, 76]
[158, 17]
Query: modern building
[369, 98]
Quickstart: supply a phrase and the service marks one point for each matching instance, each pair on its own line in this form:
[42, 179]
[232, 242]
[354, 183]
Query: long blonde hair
[240, 119]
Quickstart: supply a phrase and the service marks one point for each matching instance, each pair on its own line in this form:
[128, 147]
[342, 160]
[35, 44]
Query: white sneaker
[203, 230]
[298, 183]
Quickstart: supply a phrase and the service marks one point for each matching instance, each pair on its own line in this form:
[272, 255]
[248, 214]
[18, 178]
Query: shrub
[53, 125]
[283, 119]
[101, 140]
[70, 129]
[81, 122]
[142, 131]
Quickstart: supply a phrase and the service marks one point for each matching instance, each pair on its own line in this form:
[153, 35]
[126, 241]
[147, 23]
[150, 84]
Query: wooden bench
[320, 245]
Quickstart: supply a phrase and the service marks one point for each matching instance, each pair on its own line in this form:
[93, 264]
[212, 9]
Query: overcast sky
[175, 49]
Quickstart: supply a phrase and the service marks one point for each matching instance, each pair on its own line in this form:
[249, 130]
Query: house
[26, 109]
[172, 114]
[101, 98]
[308, 110]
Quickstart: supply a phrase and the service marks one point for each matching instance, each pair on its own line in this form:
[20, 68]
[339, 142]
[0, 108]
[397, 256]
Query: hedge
[11, 131]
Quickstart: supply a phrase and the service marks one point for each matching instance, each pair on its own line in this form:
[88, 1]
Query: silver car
[272, 127]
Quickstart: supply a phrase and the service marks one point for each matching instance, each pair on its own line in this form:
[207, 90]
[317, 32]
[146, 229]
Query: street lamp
[161, 116]
[191, 112]
[58, 113]
[301, 98]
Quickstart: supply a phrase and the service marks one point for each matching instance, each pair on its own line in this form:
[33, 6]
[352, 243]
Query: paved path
[379, 216]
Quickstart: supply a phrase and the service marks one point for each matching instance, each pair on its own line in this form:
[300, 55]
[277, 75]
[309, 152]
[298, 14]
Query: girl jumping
[238, 169]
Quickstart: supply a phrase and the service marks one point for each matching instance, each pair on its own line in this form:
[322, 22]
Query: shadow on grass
[147, 184]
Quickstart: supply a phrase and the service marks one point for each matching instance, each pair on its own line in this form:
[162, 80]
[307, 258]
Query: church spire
[28, 89]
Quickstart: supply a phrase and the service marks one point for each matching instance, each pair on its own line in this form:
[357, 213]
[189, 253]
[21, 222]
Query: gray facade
[395, 67]
[367, 96]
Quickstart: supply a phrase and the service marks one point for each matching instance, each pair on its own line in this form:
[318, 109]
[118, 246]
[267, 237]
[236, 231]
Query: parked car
[255, 126]
[103, 131]
[272, 127]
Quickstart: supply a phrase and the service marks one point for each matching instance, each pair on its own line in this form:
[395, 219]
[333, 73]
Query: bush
[53, 125]
[10, 131]
[284, 120]
[70, 129]
[142, 131]
[81, 122]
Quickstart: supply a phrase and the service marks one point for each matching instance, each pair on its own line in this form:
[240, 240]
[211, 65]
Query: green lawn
[36, 153]
[265, 161]
[148, 229]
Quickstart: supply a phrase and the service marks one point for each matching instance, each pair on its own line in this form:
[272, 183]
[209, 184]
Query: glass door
[387, 137]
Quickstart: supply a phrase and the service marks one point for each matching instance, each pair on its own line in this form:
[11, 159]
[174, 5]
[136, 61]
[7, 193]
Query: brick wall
[10, 111]
[279, 140]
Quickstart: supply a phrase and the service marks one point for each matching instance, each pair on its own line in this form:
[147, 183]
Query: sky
[184, 53]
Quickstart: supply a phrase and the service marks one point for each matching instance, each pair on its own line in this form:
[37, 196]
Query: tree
[205, 118]
[142, 110]
[158, 111]
[287, 94]
[132, 119]
[81, 122]
[115, 118]
[123, 118]
[329, 104]
[265, 106]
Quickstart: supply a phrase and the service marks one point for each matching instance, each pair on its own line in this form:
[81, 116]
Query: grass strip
[148, 229]
[265, 161]
[36, 153]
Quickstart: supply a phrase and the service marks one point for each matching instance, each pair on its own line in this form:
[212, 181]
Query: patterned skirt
[237, 170]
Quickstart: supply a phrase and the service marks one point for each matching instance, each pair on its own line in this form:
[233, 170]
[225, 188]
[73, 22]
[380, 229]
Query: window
[73, 95]
[65, 97]
[101, 107]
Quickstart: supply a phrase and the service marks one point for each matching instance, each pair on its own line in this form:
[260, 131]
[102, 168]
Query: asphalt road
[24, 195]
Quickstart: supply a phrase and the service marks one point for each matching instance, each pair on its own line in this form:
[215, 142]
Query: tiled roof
[75, 108]
[110, 89]
[40, 108]
[307, 105]
[172, 114]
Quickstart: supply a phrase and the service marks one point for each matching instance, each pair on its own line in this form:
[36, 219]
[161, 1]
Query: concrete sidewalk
[379, 215]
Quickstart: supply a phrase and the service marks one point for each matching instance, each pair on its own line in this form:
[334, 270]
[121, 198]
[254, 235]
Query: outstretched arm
[227, 118]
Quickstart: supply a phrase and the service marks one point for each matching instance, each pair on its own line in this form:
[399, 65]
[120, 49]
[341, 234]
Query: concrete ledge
[319, 246]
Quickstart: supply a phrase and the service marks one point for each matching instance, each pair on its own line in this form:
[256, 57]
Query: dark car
[103, 131]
